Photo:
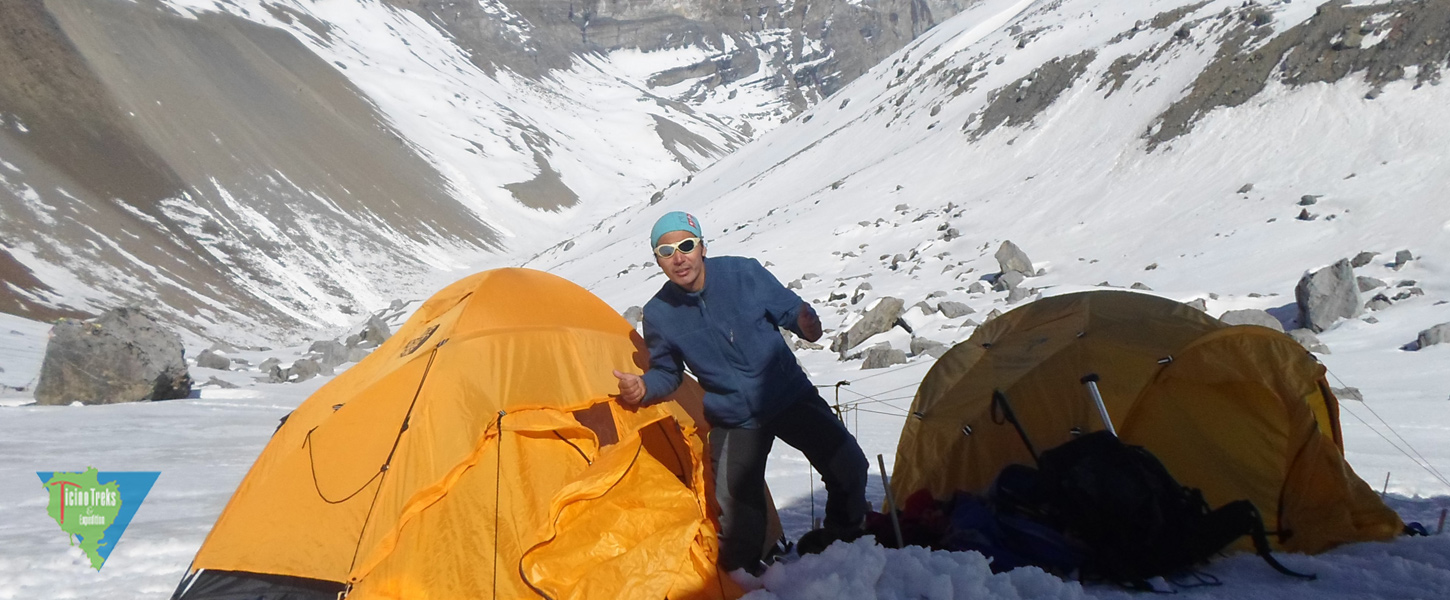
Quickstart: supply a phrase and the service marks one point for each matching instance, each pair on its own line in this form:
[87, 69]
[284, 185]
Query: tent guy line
[1418, 458]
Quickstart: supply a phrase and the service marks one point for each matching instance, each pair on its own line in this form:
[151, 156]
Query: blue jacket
[726, 333]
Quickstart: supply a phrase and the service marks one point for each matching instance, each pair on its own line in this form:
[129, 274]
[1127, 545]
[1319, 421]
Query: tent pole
[1091, 380]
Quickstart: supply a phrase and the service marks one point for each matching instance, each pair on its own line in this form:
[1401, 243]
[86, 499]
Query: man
[725, 328]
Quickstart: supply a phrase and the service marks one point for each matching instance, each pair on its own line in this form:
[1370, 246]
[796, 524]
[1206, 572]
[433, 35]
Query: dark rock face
[122, 356]
[1022, 100]
[1327, 295]
[1324, 49]
[810, 47]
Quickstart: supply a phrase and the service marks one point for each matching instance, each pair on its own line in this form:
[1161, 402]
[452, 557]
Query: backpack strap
[1261, 544]
[999, 401]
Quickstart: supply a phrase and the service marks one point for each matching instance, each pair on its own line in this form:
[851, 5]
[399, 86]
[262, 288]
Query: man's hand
[809, 323]
[631, 388]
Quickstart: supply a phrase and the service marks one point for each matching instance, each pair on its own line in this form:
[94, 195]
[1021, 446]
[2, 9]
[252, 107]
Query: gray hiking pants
[738, 457]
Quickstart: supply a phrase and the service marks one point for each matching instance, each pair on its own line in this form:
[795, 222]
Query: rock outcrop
[123, 355]
[1328, 295]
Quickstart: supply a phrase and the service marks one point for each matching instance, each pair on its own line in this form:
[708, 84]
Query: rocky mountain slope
[255, 169]
[1116, 146]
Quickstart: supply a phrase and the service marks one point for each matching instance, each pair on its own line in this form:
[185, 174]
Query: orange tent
[477, 453]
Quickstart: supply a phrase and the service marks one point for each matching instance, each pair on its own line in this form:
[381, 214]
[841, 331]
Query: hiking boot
[814, 541]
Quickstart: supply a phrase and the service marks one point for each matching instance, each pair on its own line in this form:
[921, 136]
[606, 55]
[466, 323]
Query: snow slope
[867, 187]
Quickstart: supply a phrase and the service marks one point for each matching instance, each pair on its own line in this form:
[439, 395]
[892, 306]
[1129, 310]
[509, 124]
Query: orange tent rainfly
[1240, 412]
[477, 454]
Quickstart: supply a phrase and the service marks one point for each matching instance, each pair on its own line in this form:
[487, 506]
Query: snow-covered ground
[203, 447]
[864, 191]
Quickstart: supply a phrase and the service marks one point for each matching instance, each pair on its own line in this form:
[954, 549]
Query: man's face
[687, 270]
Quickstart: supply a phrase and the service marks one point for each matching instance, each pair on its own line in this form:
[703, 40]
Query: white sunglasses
[685, 246]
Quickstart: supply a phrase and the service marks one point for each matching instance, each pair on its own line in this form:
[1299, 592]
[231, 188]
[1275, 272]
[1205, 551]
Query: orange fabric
[1238, 412]
[514, 459]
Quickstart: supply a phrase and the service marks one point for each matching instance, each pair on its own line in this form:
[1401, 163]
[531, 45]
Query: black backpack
[1135, 520]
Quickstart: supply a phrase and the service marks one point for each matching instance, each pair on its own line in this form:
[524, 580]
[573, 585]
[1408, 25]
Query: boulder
[1378, 302]
[1347, 393]
[1438, 334]
[1368, 283]
[952, 310]
[355, 354]
[219, 383]
[1011, 259]
[1008, 280]
[223, 347]
[1410, 293]
[1362, 259]
[926, 309]
[303, 369]
[634, 315]
[1251, 316]
[1328, 295]
[1138, 285]
[211, 360]
[976, 288]
[881, 356]
[1402, 258]
[1309, 341]
[268, 365]
[1198, 303]
[124, 355]
[880, 319]
[374, 333]
[328, 353]
[933, 348]
[860, 293]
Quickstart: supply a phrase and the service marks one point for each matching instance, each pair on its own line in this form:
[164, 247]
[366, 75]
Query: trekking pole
[1091, 380]
[895, 524]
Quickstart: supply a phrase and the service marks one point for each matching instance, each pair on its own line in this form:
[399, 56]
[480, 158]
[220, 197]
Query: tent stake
[1441, 529]
[1386, 489]
[895, 524]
